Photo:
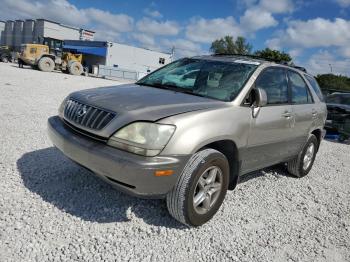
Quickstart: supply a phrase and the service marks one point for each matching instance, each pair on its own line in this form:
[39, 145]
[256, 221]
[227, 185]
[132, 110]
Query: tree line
[240, 46]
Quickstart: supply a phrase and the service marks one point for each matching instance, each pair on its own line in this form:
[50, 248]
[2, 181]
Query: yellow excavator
[47, 59]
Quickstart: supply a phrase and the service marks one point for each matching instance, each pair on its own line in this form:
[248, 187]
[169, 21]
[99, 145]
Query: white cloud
[117, 22]
[183, 47]
[153, 27]
[65, 12]
[152, 13]
[343, 3]
[60, 10]
[257, 16]
[255, 19]
[324, 62]
[277, 6]
[145, 40]
[317, 32]
[207, 30]
[295, 52]
[344, 51]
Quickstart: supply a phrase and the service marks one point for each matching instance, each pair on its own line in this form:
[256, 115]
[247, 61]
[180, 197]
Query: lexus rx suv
[189, 130]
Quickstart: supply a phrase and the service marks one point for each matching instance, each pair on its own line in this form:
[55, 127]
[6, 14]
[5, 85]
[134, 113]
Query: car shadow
[76, 191]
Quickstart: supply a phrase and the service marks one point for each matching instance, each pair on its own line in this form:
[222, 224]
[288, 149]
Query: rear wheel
[201, 188]
[75, 68]
[46, 64]
[302, 164]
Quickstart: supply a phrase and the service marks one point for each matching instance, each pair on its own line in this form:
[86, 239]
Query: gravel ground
[53, 210]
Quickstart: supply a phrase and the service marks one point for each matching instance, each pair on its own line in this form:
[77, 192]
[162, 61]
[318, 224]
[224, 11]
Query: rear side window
[300, 91]
[315, 87]
[274, 82]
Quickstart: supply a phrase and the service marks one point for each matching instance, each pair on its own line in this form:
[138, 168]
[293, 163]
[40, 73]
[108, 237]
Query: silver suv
[187, 131]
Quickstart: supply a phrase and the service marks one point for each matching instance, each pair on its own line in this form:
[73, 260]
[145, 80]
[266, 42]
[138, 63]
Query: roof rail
[246, 55]
[265, 59]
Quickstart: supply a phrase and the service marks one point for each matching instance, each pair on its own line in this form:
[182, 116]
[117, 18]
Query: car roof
[251, 59]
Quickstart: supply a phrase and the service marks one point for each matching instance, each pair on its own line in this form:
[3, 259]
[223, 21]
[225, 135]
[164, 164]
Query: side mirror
[259, 97]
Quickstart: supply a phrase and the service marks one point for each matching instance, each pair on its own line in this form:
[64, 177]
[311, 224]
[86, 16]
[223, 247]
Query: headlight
[142, 138]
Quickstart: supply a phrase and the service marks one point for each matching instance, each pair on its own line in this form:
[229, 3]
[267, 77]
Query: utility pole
[172, 53]
[330, 65]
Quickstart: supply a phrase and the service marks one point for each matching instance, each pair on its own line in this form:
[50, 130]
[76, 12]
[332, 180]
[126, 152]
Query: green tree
[274, 55]
[227, 45]
[334, 82]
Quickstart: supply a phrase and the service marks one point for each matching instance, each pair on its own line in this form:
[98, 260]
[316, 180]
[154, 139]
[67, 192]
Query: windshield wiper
[174, 88]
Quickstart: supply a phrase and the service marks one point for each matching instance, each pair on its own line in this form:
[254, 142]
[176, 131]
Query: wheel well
[318, 135]
[229, 149]
[49, 56]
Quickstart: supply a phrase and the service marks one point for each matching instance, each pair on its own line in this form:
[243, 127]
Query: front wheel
[201, 188]
[302, 164]
[75, 68]
[46, 64]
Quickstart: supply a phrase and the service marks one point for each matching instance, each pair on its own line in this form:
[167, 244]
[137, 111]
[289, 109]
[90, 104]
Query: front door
[271, 131]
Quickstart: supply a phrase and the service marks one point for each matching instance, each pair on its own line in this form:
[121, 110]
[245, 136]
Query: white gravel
[53, 210]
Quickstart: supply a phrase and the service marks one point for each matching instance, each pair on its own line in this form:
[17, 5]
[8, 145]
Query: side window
[300, 91]
[274, 82]
[315, 87]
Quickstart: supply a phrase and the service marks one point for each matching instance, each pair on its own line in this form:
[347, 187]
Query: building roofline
[47, 20]
[69, 26]
[88, 30]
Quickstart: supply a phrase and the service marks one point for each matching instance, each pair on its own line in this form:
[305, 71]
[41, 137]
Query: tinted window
[315, 87]
[274, 82]
[300, 92]
[338, 99]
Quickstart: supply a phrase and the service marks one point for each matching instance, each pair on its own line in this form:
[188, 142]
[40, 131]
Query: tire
[75, 68]
[180, 201]
[46, 64]
[297, 167]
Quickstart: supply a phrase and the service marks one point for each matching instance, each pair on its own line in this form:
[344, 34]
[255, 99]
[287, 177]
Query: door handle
[314, 113]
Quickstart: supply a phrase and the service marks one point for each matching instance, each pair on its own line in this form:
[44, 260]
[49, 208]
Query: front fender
[195, 130]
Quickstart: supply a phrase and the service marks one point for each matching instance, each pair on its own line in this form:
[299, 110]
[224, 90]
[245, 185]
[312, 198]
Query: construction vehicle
[5, 54]
[49, 56]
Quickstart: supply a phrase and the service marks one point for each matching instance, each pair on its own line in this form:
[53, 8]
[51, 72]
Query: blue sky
[315, 32]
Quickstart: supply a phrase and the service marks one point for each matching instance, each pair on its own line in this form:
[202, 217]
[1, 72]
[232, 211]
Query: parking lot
[53, 210]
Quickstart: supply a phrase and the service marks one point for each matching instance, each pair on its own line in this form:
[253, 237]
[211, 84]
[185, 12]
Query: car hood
[142, 103]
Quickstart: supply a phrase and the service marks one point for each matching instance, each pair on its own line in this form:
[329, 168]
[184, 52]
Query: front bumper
[128, 172]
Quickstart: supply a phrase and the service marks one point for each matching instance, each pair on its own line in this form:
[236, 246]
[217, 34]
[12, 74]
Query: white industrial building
[15, 33]
[118, 60]
[100, 57]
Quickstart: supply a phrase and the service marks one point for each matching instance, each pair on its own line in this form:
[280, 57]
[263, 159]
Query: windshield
[212, 79]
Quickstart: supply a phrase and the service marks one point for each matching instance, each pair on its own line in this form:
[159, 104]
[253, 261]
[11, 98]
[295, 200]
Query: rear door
[304, 110]
[270, 132]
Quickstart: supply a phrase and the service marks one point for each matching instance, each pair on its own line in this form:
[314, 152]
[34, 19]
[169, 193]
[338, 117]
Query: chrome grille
[86, 115]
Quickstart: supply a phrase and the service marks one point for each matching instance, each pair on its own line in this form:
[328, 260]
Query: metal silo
[28, 31]
[2, 33]
[9, 33]
[18, 34]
